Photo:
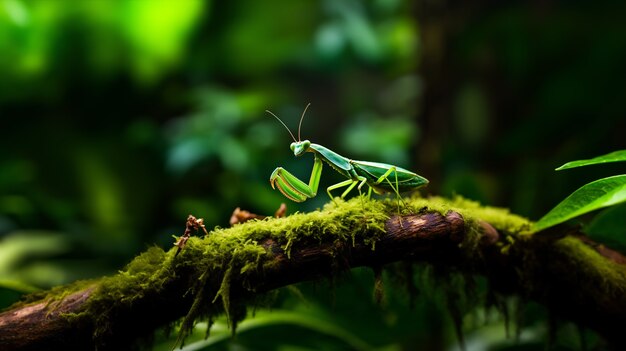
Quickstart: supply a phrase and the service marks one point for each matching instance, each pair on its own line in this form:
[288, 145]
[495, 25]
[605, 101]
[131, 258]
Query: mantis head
[299, 147]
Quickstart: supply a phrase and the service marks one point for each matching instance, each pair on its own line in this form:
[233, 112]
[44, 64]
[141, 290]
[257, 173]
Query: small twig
[241, 216]
[193, 225]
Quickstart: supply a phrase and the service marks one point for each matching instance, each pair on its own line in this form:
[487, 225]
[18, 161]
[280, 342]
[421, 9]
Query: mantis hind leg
[350, 183]
[385, 177]
[363, 181]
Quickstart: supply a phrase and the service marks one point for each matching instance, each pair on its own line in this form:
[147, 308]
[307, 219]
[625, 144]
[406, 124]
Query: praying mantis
[359, 173]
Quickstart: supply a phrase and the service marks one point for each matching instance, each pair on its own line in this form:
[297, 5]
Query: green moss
[213, 263]
[224, 256]
[610, 275]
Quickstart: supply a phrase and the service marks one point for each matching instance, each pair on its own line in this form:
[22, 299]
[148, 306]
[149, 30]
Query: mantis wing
[407, 180]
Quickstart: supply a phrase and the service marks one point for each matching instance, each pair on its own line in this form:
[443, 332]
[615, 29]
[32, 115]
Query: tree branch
[574, 277]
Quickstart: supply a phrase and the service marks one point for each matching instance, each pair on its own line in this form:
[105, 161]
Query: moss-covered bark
[231, 268]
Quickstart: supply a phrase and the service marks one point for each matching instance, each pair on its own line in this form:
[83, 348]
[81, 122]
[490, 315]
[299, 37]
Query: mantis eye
[292, 146]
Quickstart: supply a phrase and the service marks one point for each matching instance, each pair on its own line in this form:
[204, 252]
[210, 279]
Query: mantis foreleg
[292, 187]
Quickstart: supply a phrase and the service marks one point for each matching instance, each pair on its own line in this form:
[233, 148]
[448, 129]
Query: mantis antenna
[281, 122]
[301, 118]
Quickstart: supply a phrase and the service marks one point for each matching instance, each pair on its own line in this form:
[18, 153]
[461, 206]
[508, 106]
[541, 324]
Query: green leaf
[263, 319]
[597, 194]
[616, 156]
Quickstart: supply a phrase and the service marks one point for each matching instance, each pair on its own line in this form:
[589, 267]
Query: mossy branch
[230, 268]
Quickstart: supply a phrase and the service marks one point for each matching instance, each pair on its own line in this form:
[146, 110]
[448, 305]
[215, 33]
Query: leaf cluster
[598, 194]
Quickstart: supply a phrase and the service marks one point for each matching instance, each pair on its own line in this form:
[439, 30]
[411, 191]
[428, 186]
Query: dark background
[119, 118]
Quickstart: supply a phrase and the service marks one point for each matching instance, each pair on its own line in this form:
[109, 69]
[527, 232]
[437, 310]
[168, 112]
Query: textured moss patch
[610, 275]
[210, 265]
[227, 255]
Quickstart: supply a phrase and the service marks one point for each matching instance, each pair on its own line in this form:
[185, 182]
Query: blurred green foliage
[119, 118]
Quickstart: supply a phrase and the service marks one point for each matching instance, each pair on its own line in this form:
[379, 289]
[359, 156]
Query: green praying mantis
[359, 173]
